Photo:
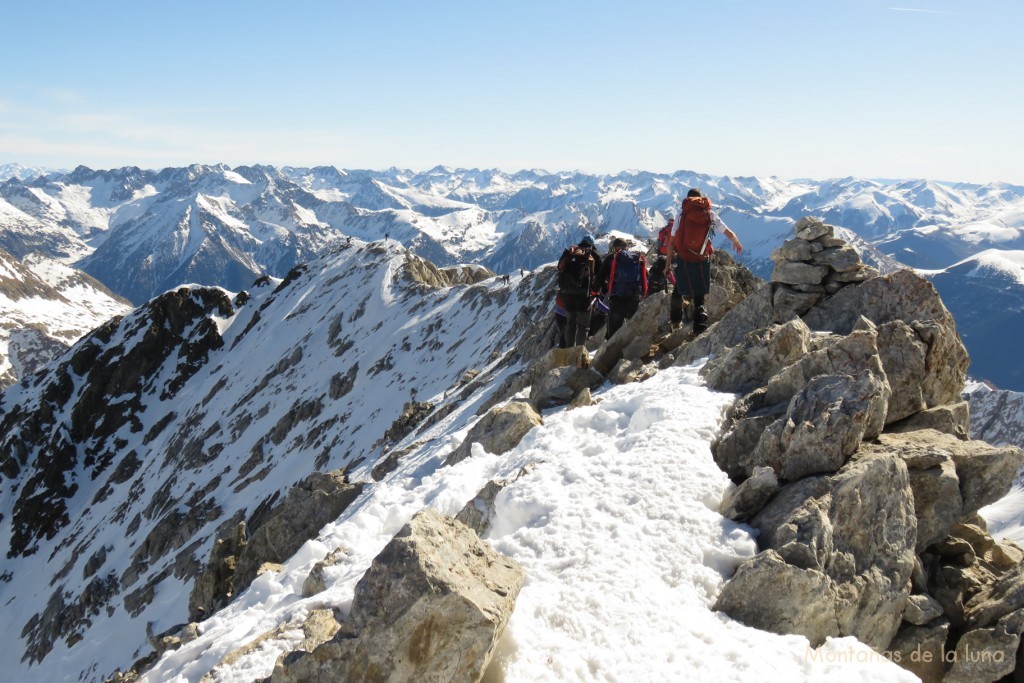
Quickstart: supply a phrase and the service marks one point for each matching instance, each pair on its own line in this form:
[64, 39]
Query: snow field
[617, 529]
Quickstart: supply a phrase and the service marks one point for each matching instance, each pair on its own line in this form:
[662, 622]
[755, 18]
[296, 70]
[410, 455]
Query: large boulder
[431, 607]
[746, 421]
[824, 425]
[761, 354]
[499, 431]
[849, 354]
[561, 385]
[986, 655]
[951, 478]
[770, 594]
[904, 356]
[907, 297]
[952, 418]
[986, 472]
[921, 649]
[996, 598]
[847, 545]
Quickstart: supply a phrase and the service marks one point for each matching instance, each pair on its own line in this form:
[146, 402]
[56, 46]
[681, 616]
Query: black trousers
[620, 309]
[577, 318]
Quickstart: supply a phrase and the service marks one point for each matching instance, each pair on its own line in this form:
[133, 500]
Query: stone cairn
[813, 265]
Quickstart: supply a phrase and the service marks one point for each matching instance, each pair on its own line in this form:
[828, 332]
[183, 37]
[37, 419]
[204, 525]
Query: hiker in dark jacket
[623, 278]
[692, 271]
[577, 269]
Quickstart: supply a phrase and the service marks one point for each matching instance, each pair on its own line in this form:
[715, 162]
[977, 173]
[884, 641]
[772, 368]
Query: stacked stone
[813, 265]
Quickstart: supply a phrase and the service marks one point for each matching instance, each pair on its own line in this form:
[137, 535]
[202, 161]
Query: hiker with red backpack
[688, 257]
[624, 280]
[577, 270]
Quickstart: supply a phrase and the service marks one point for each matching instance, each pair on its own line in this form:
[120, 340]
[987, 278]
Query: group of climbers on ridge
[608, 291]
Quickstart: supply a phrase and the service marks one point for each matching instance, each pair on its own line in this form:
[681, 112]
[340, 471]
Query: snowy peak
[994, 264]
[44, 307]
[25, 173]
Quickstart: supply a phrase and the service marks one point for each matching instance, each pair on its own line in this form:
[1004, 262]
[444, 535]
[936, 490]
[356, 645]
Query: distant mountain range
[142, 232]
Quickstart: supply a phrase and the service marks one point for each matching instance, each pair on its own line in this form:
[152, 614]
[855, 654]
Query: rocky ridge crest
[847, 443]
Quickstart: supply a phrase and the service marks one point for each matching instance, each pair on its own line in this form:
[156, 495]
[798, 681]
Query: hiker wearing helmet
[689, 257]
[576, 276]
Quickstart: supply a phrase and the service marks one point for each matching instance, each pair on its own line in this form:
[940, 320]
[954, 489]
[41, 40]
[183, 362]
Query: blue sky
[792, 88]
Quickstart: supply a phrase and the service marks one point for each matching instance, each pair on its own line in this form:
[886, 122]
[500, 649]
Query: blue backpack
[628, 275]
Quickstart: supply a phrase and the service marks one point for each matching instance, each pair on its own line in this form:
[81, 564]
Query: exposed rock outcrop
[431, 607]
[861, 572]
[273, 537]
[850, 453]
[498, 431]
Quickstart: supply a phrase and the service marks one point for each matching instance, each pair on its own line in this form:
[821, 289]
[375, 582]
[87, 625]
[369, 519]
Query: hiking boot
[669, 327]
[700, 320]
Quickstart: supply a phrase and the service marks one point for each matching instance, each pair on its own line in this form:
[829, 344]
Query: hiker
[656, 280]
[624, 280]
[688, 257]
[576, 269]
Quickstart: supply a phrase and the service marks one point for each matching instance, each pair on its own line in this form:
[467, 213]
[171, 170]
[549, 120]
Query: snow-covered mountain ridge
[236, 462]
[195, 410]
[143, 232]
[163, 430]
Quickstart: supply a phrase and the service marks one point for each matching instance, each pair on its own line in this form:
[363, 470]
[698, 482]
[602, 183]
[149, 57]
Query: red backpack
[664, 235]
[692, 241]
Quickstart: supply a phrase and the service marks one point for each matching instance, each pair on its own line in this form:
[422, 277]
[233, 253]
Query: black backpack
[575, 268]
[628, 274]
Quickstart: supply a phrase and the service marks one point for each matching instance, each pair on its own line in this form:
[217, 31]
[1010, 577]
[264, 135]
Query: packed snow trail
[624, 550]
[616, 526]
